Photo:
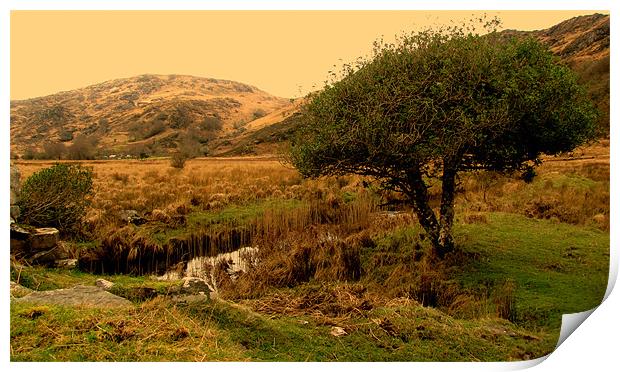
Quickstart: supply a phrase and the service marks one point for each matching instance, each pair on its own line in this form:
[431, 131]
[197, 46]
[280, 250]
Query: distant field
[329, 256]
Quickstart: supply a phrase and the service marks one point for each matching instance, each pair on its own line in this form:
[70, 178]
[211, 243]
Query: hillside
[148, 111]
[581, 42]
[155, 114]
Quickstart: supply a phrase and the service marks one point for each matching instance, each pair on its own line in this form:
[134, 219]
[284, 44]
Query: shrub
[65, 136]
[211, 123]
[53, 150]
[258, 113]
[83, 148]
[178, 160]
[56, 196]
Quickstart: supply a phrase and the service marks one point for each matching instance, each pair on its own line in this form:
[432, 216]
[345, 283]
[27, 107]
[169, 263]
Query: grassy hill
[149, 111]
[156, 114]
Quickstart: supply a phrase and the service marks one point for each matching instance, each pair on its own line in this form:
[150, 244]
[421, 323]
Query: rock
[80, 295]
[43, 239]
[68, 263]
[192, 285]
[48, 257]
[36, 245]
[131, 216]
[338, 331]
[104, 284]
[18, 290]
[19, 232]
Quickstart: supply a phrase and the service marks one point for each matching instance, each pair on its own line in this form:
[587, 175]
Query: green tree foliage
[439, 102]
[56, 197]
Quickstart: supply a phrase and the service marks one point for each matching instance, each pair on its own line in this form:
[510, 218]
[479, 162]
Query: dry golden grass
[219, 204]
[573, 188]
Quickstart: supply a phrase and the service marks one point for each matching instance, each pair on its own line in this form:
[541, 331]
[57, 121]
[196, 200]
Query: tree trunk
[418, 196]
[446, 217]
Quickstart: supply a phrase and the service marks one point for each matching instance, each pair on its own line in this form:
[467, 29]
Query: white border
[591, 345]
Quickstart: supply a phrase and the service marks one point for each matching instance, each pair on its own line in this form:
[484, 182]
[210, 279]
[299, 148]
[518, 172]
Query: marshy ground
[328, 256]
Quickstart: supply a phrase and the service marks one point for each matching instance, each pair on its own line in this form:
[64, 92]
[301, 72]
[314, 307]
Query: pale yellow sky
[286, 53]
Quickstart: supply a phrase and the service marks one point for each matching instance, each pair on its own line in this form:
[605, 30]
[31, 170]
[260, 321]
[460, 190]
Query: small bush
[29, 154]
[65, 136]
[56, 196]
[258, 113]
[83, 148]
[211, 123]
[178, 160]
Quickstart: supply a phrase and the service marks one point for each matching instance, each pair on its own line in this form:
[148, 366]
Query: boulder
[68, 263]
[36, 245]
[15, 213]
[47, 257]
[19, 241]
[193, 285]
[104, 284]
[18, 290]
[43, 239]
[131, 216]
[80, 295]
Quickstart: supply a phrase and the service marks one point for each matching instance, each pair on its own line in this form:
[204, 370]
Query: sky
[286, 53]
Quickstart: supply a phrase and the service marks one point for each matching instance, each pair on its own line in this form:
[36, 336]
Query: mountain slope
[581, 42]
[150, 110]
[158, 113]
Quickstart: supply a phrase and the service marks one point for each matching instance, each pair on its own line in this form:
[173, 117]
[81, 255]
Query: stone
[81, 295]
[338, 331]
[18, 232]
[68, 263]
[19, 241]
[36, 245]
[193, 285]
[104, 284]
[131, 216]
[18, 290]
[44, 238]
[48, 257]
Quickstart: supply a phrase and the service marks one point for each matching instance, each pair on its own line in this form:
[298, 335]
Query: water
[203, 267]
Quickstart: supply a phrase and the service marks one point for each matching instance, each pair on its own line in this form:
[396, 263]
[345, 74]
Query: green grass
[42, 279]
[233, 214]
[557, 268]
[239, 213]
[154, 331]
[159, 330]
[569, 180]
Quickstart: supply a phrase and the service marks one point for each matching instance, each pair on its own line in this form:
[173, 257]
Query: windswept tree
[436, 103]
